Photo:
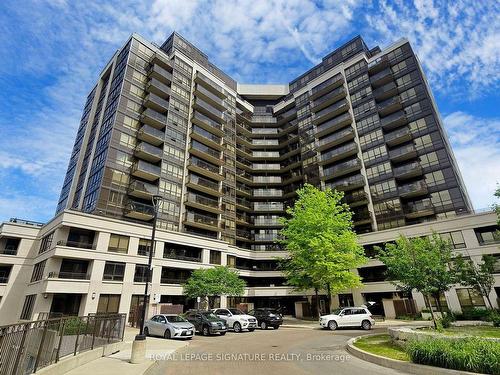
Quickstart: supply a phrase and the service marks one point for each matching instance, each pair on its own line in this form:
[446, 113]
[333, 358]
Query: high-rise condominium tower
[228, 158]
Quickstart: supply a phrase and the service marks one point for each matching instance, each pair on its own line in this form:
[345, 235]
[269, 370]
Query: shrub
[473, 313]
[469, 354]
[447, 319]
[494, 317]
[74, 326]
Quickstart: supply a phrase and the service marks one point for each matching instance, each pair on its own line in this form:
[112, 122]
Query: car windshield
[210, 316]
[236, 312]
[270, 311]
[175, 319]
[336, 311]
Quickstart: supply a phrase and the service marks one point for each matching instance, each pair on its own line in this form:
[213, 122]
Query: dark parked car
[267, 317]
[206, 322]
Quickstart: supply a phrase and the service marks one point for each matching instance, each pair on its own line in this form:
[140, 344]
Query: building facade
[227, 158]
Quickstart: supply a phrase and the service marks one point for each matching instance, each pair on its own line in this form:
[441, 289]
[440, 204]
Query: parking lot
[283, 351]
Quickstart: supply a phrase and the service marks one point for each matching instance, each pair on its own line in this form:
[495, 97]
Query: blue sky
[52, 51]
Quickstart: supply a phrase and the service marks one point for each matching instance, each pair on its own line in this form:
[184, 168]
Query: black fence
[28, 347]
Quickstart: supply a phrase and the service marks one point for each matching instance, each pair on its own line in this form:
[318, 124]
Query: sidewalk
[118, 363]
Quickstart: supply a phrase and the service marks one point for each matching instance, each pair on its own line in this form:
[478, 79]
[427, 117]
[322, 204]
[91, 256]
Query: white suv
[236, 319]
[348, 317]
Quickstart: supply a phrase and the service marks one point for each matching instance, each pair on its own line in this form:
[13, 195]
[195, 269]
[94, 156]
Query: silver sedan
[169, 326]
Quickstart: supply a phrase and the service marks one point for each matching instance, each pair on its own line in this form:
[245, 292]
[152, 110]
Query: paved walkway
[156, 348]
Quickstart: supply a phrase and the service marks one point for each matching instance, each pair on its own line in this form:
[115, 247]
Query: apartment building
[227, 159]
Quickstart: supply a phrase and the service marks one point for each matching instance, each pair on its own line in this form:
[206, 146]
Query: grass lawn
[381, 345]
[477, 331]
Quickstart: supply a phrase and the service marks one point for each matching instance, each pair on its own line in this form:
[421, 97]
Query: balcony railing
[389, 106]
[209, 84]
[337, 137]
[378, 64]
[267, 179]
[326, 85]
[69, 275]
[201, 119]
[8, 252]
[403, 153]
[209, 96]
[202, 132]
[398, 136]
[423, 207]
[266, 167]
[415, 188]
[158, 87]
[342, 168]
[203, 164]
[154, 101]
[169, 255]
[205, 149]
[264, 131]
[210, 109]
[150, 134]
[165, 280]
[266, 154]
[339, 152]
[408, 170]
[331, 111]
[381, 77]
[243, 202]
[156, 71]
[201, 219]
[393, 120]
[334, 124]
[148, 152]
[153, 118]
[271, 206]
[204, 182]
[385, 91]
[195, 198]
[265, 142]
[263, 193]
[330, 97]
[77, 244]
[347, 183]
[270, 222]
[139, 210]
[146, 170]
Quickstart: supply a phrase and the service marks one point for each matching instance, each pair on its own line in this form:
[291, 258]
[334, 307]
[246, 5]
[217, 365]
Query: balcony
[148, 152]
[139, 211]
[171, 255]
[339, 153]
[203, 136]
[204, 168]
[381, 78]
[243, 235]
[243, 175]
[268, 206]
[205, 152]
[207, 123]
[241, 219]
[342, 169]
[403, 153]
[266, 179]
[336, 138]
[155, 102]
[272, 222]
[265, 142]
[378, 64]
[326, 86]
[356, 198]
[141, 189]
[209, 97]
[208, 110]
[418, 209]
[204, 185]
[330, 112]
[265, 167]
[361, 216]
[204, 203]
[202, 221]
[407, 171]
[285, 117]
[265, 154]
[398, 136]
[332, 125]
[145, 170]
[158, 88]
[328, 99]
[264, 131]
[393, 121]
[210, 85]
[350, 183]
[262, 237]
[151, 135]
[389, 106]
[242, 189]
[161, 61]
[267, 193]
[153, 118]
[243, 204]
[161, 74]
[386, 91]
[69, 275]
[413, 190]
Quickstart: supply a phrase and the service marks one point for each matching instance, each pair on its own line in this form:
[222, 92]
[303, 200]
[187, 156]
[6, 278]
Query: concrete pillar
[160, 246]
[452, 301]
[223, 302]
[335, 302]
[358, 297]
[133, 245]
[419, 300]
[205, 256]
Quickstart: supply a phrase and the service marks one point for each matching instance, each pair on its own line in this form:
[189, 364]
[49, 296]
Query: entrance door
[65, 305]
[108, 304]
[135, 310]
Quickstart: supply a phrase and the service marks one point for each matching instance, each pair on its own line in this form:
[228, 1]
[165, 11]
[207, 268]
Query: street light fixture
[156, 200]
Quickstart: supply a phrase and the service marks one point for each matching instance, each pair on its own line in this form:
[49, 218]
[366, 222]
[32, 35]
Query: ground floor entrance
[65, 305]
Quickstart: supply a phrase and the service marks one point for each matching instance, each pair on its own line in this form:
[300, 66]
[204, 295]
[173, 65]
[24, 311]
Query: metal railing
[77, 244]
[69, 275]
[28, 347]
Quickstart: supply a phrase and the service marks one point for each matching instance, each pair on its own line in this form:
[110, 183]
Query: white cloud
[476, 144]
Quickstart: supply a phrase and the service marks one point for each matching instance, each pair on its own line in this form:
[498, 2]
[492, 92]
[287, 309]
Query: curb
[409, 367]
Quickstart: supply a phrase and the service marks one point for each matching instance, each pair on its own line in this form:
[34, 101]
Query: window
[496, 266]
[118, 244]
[4, 274]
[172, 170]
[363, 108]
[29, 303]
[428, 160]
[399, 67]
[487, 235]
[374, 153]
[375, 136]
[46, 242]
[469, 298]
[456, 238]
[385, 187]
[378, 170]
[144, 247]
[114, 271]
[231, 261]
[434, 178]
[441, 198]
[442, 302]
[423, 142]
[215, 257]
[38, 271]
[108, 304]
[355, 69]
[359, 81]
[387, 207]
[140, 275]
[419, 125]
[368, 123]
[390, 224]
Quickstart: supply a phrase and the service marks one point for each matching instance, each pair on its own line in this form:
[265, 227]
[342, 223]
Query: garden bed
[381, 345]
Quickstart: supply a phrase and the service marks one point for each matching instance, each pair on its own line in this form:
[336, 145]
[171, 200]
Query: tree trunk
[489, 301]
[211, 300]
[329, 309]
[317, 301]
[426, 297]
[438, 305]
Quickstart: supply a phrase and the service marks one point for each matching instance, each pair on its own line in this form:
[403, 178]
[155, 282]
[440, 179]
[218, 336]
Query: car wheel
[222, 333]
[263, 325]
[205, 331]
[366, 325]
[146, 331]
[276, 327]
[237, 327]
[332, 325]
[167, 334]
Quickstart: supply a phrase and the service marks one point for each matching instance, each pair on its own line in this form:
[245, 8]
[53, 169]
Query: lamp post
[156, 205]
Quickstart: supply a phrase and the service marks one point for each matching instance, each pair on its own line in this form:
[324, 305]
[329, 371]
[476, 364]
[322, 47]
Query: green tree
[480, 277]
[214, 282]
[422, 264]
[496, 206]
[321, 243]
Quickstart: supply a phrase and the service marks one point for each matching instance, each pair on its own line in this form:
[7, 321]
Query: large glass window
[118, 244]
[140, 275]
[114, 271]
[215, 257]
[27, 311]
[468, 298]
[108, 304]
[455, 238]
